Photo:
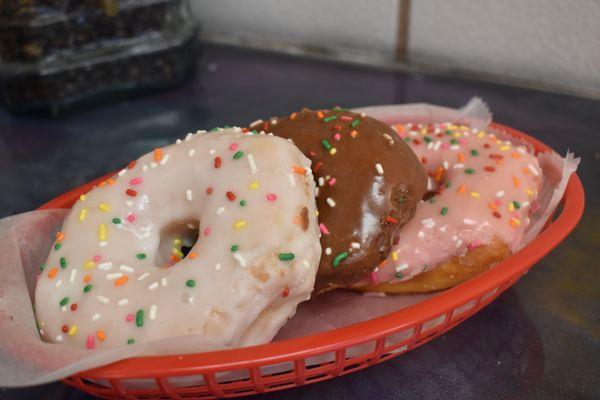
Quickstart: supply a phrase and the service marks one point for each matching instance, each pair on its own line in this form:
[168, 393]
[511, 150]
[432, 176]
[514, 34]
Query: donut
[368, 184]
[215, 236]
[481, 192]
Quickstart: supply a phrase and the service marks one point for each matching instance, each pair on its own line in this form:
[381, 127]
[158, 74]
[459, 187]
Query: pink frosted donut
[481, 189]
[119, 274]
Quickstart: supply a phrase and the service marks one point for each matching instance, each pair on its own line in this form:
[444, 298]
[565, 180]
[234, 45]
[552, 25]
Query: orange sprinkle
[60, 236]
[514, 222]
[100, 334]
[87, 278]
[320, 114]
[461, 157]
[102, 183]
[174, 258]
[399, 128]
[354, 133]
[121, 281]
[499, 162]
[52, 273]
[299, 170]
[493, 206]
[157, 155]
[110, 181]
[297, 220]
[192, 255]
[293, 116]
[515, 155]
[131, 164]
[462, 189]
[438, 174]
[516, 181]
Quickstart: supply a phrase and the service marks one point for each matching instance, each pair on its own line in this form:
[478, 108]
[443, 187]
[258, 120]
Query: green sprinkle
[130, 341]
[42, 267]
[427, 139]
[407, 139]
[286, 256]
[87, 288]
[432, 199]
[226, 126]
[399, 275]
[326, 144]
[190, 283]
[64, 301]
[330, 118]
[254, 132]
[448, 184]
[444, 211]
[516, 204]
[448, 132]
[116, 221]
[453, 141]
[57, 246]
[139, 318]
[469, 171]
[474, 152]
[234, 248]
[355, 123]
[63, 262]
[140, 256]
[238, 155]
[216, 128]
[338, 259]
[242, 203]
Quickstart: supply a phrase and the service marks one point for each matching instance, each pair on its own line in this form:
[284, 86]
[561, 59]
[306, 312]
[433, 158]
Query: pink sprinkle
[473, 245]
[445, 146]
[517, 214]
[97, 258]
[130, 217]
[129, 317]
[233, 146]
[337, 136]
[323, 229]
[373, 277]
[497, 202]
[135, 181]
[345, 118]
[271, 197]
[462, 141]
[89, 343]
[332, 181]
[206, 231]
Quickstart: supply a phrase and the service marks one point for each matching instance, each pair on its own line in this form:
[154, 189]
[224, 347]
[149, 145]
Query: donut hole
[176, 240]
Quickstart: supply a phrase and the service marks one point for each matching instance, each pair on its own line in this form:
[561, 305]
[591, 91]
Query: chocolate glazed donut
[368, 184]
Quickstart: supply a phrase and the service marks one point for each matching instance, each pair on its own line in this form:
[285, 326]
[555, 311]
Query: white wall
[551, 42]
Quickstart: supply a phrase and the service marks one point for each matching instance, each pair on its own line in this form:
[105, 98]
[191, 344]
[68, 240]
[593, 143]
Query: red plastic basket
[378, 339]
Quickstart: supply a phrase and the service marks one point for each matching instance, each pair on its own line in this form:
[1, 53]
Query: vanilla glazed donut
[481, 191]
[125, 269]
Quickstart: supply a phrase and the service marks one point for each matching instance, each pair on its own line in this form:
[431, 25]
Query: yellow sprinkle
[332, 151]
[480, 134]
[394, 256]
[177, 252]
[254, 185]
[504, 148]
[82, 214]
[511, 206]
[73, 330]
[423, 131]
[514, 222]
[457, 134]
[239, 224]
[82, 197]
[89, 264]
[103, 207]
[475, 195]
[530, 193]
[102, 232]
[177, 242]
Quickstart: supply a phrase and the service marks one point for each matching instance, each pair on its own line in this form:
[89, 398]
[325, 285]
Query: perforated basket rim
[332, 341]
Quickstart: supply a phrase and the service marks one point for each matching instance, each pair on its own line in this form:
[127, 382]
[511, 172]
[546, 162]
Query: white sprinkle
[455, 147]
[103, 243]
[291, 179]
[178, 141]
[317, 192]
[330, 202]
[258, 121]
[95, 317]
[122, 302]
[144, 167]
[321, 181]
[189, 298]
[59, 338]
[429, 145]
[520, 149]
[443, 228]
[122, 172]
[458, 166]
[217, 266]
[238, 257]
[328, 251]
[129, 203]
[212, 152]
[200, 131]
[153, 164]
[191, 152]
[459, 243]
[105, 266]
[306, 264]
[355, 245]
[469, 221]
[500, 193]
[163, 282]
[401, 267]
[191, 226]
[164, 159]
[220, 210]
[524, 204]
[188, 195]
[152, 314]
[72, 275]
[126, 268]
[533, 169]
[379, 169]
[188, 137]
[446, 164]
[428, 223]
[143, 276]
[153, 286]
[429, 184]
[102, 299]
[251, 163]
[114, 275]
[63, 309]
[421, 235]
[58, 283]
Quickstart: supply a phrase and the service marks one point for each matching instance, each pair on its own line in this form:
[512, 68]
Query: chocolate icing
[361, 207]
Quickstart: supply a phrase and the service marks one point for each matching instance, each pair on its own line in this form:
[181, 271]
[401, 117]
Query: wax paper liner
[25, 240]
